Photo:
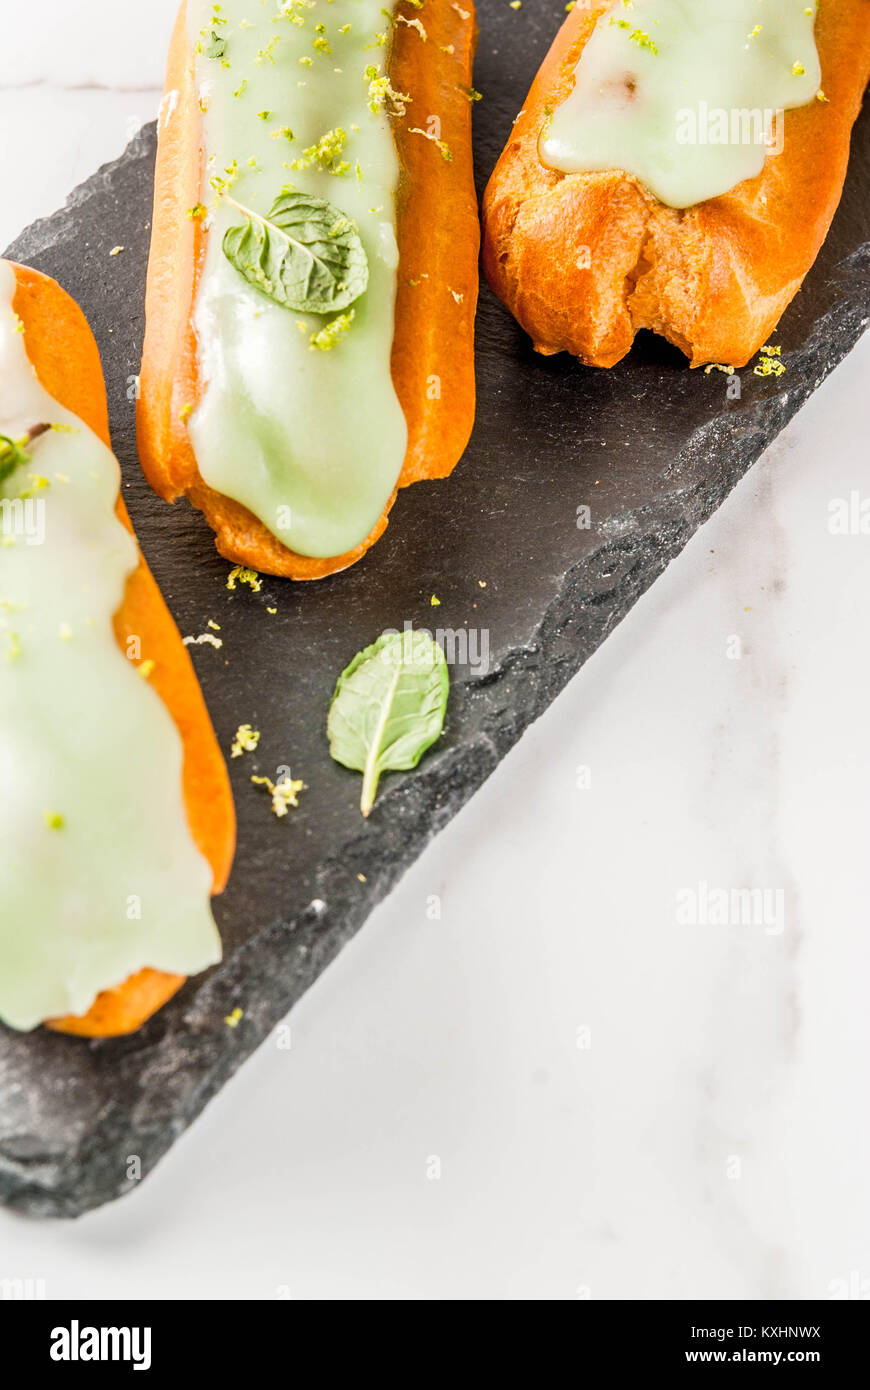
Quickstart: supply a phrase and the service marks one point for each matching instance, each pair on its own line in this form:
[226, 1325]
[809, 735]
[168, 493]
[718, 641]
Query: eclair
[675, 168]
[312, 281]
[116, 818]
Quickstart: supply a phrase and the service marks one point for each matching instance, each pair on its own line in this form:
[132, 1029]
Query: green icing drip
[308, 435]
[684, 94]
[99, 875]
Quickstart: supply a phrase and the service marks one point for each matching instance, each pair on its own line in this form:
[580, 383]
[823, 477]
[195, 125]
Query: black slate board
[651, 447]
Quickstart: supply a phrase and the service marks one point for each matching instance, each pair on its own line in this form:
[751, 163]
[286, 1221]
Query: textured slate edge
[595, 594]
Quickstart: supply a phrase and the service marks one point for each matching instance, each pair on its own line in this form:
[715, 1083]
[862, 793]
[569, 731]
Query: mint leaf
[13, 452]
[388, 708]
[306, 255]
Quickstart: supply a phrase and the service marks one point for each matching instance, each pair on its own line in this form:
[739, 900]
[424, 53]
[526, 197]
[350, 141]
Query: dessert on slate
[676, 167]
[313, 273]
[116, 822]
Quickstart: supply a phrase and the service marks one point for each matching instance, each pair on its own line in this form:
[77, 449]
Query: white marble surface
[708, 1136]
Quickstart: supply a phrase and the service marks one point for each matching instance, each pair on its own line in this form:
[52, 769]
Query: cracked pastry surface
[586, 260]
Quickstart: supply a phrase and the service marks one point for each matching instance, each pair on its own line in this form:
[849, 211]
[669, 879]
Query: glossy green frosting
[311, 441]
[684, 94]
[99, 875]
